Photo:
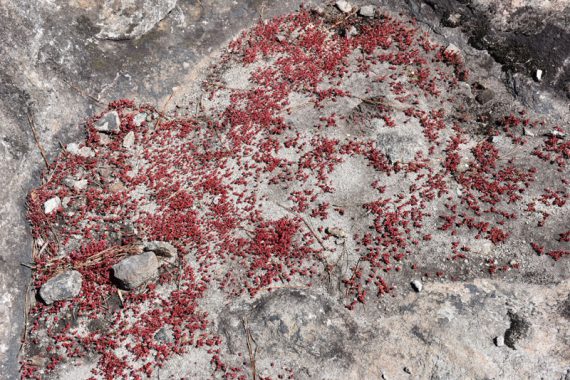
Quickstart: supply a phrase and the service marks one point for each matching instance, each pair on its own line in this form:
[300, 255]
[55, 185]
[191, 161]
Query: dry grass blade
[37, 140]
[251, 351]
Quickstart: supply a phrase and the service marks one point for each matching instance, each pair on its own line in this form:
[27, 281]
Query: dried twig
[38, 144]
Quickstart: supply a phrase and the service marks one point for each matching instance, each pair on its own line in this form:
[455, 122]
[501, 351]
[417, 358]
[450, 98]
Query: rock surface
[134, 271]
[59, 75]
[64, 286]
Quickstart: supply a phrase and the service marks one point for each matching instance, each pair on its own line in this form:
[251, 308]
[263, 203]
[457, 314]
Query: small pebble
[52, 204]
[538, 75]
[500, 341]
[417, 285]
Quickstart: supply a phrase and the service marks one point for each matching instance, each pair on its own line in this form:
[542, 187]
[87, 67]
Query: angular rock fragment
[110, 123]
[417, 285]
[344, 6]
[500, 341]
[367, 11]
[129, 140]
[139, 119]
[336, 232]
[61, 287]
[52, 204]
[134, 271]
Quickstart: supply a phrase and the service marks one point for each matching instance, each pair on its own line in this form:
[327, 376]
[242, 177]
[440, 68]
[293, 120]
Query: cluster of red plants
[201, 182]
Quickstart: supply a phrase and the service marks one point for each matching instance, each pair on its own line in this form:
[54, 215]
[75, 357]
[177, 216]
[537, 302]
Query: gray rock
[485, 96]
[52, 205]
[344, 6]
[367, 11]
[417, 285]
[61, 287]
[161, 248]
[494, 139]
[139, 118]
[134, 271]
[110, 123]
[518, 329]
[528, 132]
[129, 140]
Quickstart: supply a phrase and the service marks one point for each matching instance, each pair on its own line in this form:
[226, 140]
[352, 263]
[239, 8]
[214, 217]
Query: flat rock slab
[64, 286]
[134, 271]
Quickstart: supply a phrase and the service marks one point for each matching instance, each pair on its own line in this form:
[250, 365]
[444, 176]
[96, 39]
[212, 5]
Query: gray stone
[61, 287]
[129, 140]
[494, 139]
[485, 96]
[52, 204]
[110, 123]
[134, 271]
[417, 285]
[528, 132]
[139, 118]
[367, 11]
[500, 341]
[344, 6]
[336, 232]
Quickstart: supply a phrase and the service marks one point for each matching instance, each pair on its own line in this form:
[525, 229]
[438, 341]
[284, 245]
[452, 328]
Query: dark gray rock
[61, 287]
[134, 271]
[109, 123]
[518, 330]
[485, 96]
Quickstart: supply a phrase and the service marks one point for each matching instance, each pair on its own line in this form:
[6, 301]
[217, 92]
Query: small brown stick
[38, 144]
[26, 312]
[251, 351]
